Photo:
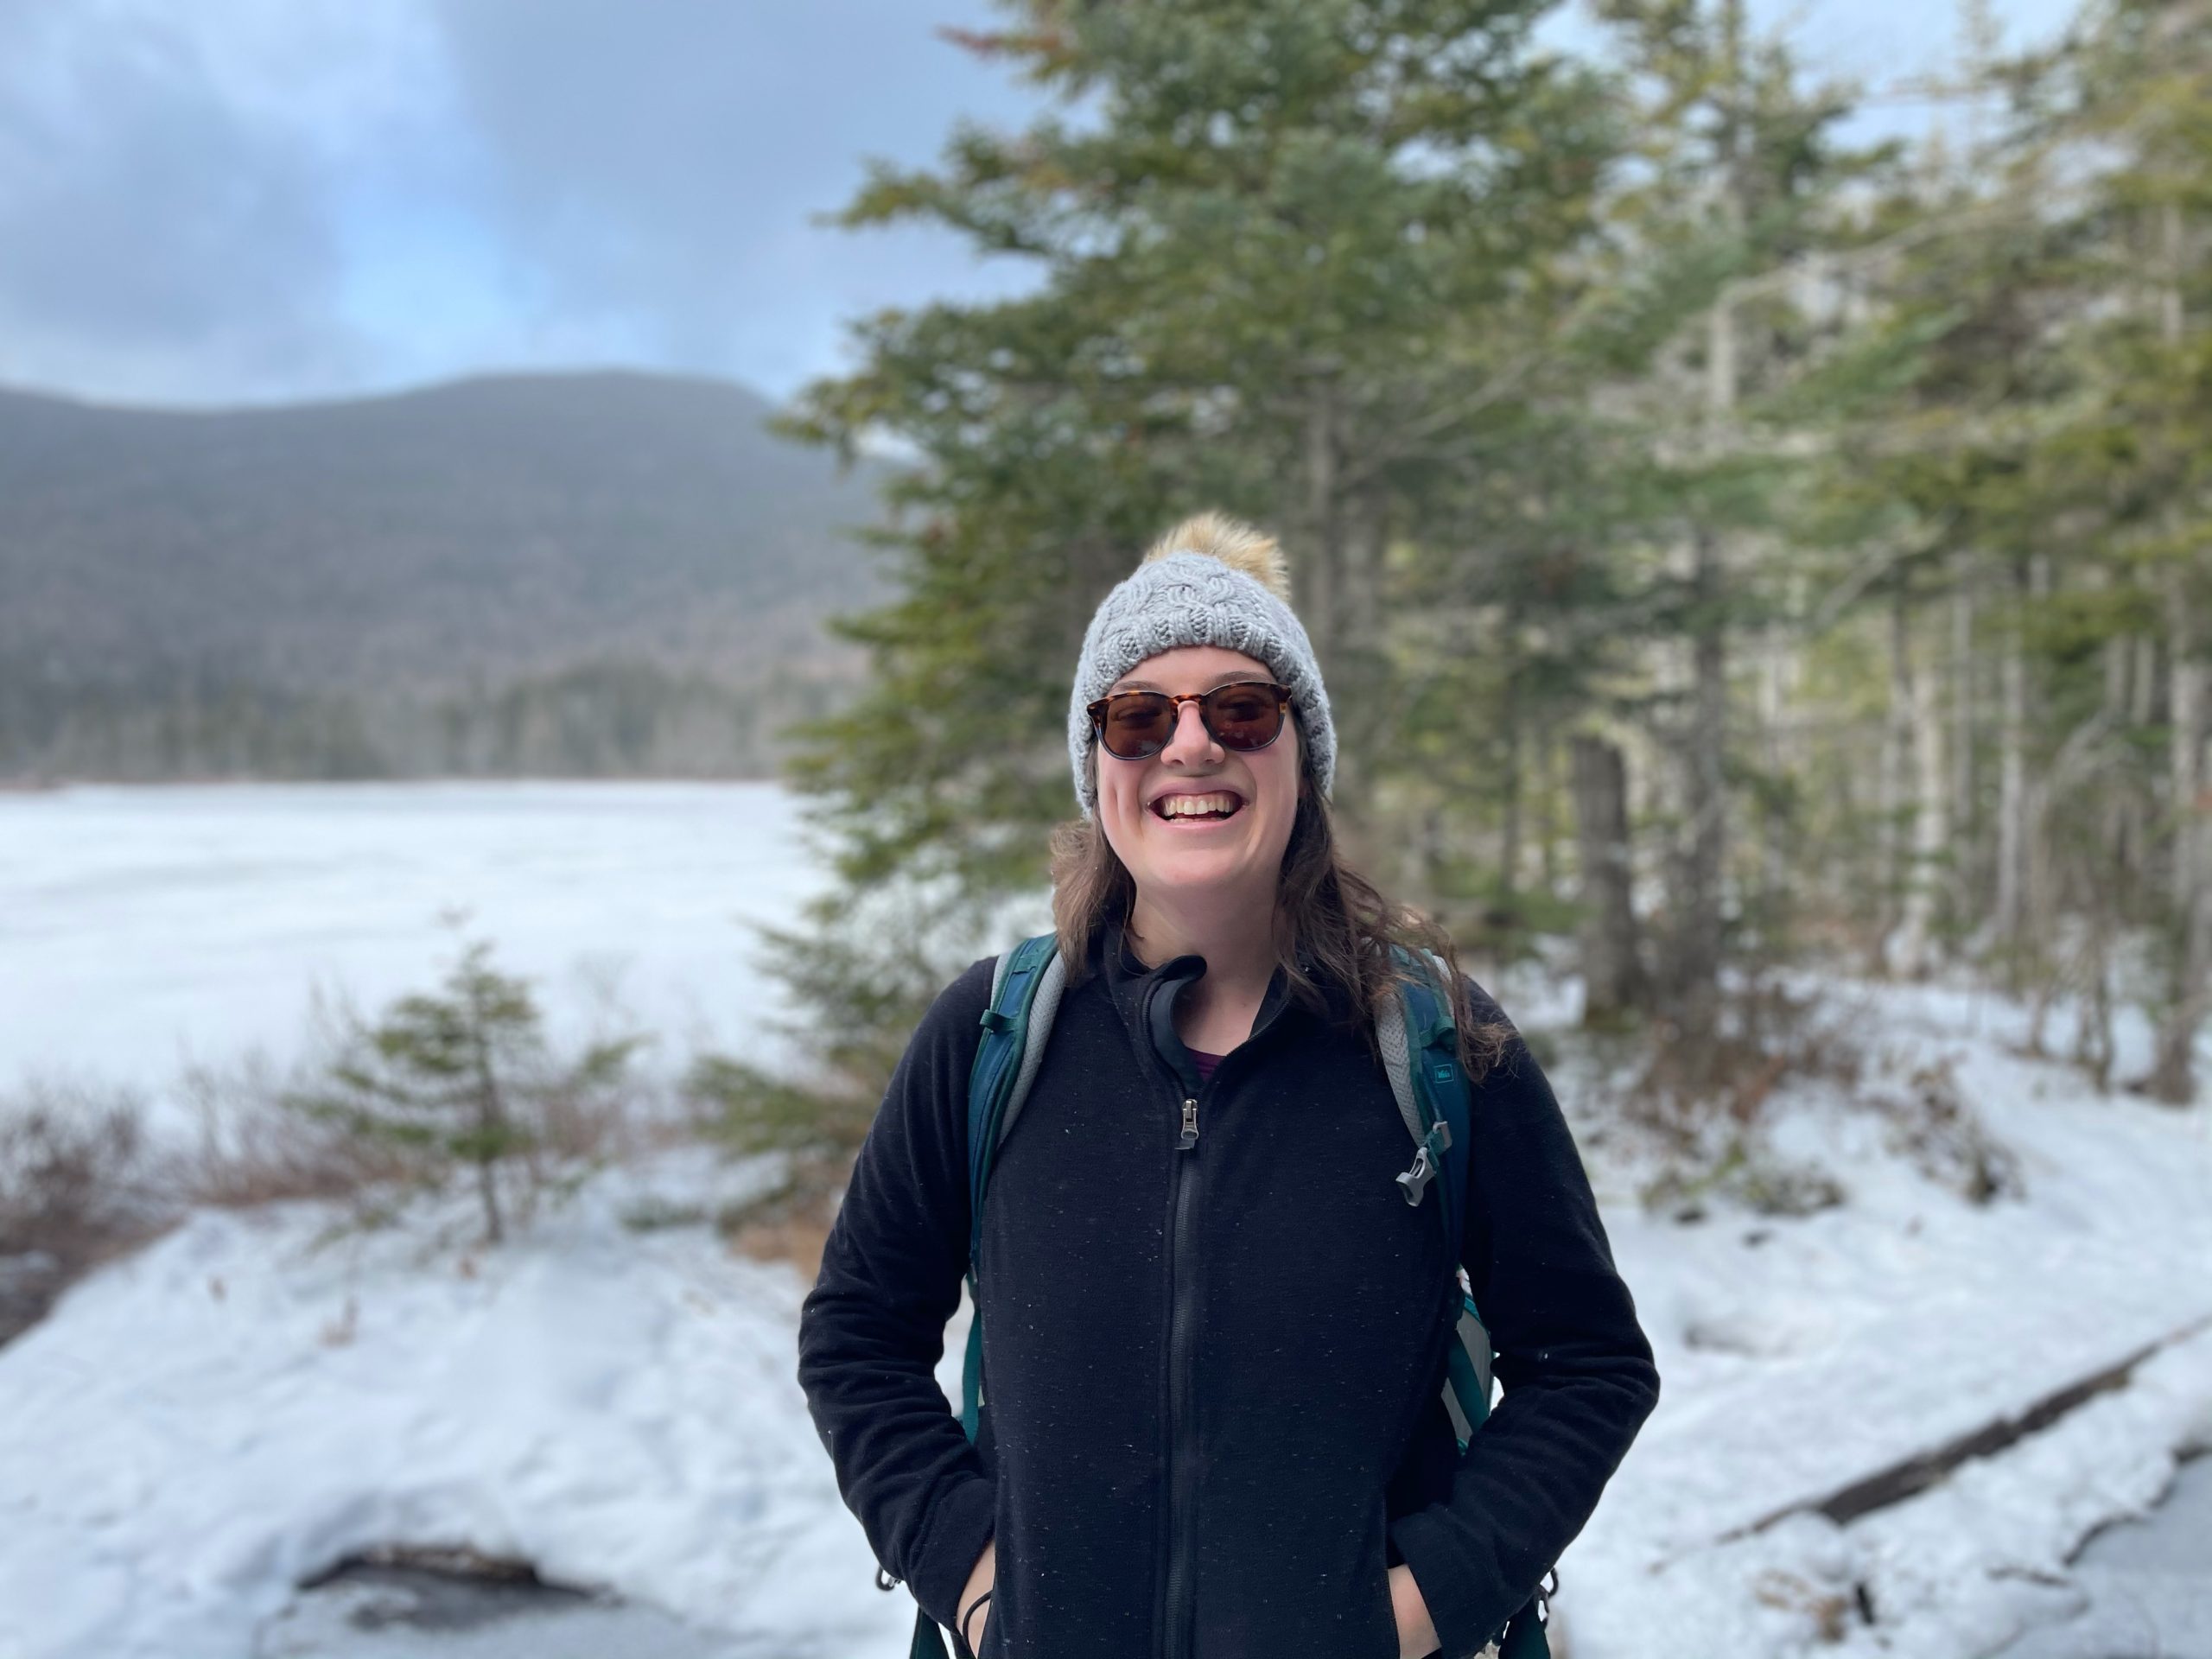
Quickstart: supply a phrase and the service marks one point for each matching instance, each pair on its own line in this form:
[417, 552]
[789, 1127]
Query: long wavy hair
[1327, 914]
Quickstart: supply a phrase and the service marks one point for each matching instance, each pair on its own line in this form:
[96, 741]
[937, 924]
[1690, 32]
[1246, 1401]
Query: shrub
[79, 1185]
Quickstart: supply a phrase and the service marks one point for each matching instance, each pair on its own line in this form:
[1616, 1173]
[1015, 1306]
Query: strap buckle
[1429, 1162]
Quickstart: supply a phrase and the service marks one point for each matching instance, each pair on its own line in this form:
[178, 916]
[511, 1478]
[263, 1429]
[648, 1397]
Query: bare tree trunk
[2173, 1072]
[1689, 984]
[1914, 953]
[1613, 967]
[1966, 882]
[1510, 789]
[1548, 824]
[1318, 572]
[2007, 922]
[2039, 895]
[2122, 825]
[1339, 560]
[1774, 839]
[2172, 1077]
[1694, 967]
[1889, 784]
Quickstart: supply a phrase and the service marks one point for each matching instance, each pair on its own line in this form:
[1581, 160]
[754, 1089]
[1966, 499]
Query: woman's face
[1184, 857]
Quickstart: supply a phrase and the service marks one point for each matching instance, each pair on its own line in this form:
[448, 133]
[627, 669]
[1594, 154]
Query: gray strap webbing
[1391, 1037]
[1047, 1005]
[1397, 1059]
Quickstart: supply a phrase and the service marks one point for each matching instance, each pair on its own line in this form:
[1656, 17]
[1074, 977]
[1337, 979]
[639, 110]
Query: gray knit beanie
[1208, 581]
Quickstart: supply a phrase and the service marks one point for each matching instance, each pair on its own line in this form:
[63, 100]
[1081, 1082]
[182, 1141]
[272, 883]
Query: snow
[144, 929]
[257, 1395]
[2146, 1583]
[249, 1401]
[1797, 1355]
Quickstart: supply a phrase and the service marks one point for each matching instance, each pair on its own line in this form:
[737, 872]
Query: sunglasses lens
[1243, 716]
[1136, 724]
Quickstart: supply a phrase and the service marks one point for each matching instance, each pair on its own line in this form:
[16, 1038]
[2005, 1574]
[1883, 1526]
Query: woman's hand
[985, 1576]
[1417, 1636]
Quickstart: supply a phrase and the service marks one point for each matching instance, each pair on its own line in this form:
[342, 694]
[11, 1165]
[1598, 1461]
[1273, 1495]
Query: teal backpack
[1421, 1057]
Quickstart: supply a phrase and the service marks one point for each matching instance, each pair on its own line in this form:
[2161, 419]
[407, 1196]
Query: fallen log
[1916, 1474]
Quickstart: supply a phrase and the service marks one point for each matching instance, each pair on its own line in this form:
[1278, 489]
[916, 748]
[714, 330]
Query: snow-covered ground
[252, 1399]
[198, 1429]
[246, 1403]
[1797, 1355]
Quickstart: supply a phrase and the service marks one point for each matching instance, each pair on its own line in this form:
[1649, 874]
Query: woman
[1214, 1331]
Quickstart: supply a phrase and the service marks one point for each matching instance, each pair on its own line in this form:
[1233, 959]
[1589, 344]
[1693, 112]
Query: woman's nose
[1192, 744]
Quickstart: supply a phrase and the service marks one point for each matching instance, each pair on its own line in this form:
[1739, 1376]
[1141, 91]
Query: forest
[1731, 546]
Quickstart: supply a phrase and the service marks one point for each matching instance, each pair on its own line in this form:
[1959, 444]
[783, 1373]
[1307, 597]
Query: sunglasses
[1244, 716]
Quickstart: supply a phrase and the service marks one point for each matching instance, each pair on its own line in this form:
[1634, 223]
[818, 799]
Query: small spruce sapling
[459, 1078]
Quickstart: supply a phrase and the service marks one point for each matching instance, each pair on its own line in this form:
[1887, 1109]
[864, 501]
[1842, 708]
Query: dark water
[403, 1612]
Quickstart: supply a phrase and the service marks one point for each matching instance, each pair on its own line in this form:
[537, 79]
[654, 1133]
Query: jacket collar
[1130, 984]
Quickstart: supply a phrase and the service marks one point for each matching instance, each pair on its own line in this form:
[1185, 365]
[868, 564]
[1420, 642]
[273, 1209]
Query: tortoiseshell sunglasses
[1243, 715]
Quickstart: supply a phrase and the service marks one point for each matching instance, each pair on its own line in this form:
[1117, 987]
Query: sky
[233, 202]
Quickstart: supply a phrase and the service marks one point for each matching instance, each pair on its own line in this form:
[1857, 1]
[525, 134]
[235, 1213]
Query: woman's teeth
[1219, 805]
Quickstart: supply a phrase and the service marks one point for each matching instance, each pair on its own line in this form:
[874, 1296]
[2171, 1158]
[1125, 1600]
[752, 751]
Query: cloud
[242, 200]
[166, 180]
[661, 163]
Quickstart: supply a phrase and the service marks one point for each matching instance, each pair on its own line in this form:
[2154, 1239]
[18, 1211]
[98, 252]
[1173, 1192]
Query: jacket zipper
[1182, 1454]
[1180, 1608]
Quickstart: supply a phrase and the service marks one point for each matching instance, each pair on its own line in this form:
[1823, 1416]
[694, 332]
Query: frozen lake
[142, 928]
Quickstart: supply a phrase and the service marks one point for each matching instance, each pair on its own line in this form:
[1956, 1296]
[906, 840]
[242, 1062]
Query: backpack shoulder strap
[1025, 990]
[1017, 1022]
[1420, 1054]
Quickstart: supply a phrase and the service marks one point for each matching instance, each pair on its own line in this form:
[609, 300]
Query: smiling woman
[1215, 1320]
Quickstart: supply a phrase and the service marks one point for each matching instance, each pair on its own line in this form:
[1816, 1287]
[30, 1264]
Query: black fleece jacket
[1212, 1374]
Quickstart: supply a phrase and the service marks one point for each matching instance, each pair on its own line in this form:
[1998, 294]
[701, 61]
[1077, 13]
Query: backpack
[1421, 1057]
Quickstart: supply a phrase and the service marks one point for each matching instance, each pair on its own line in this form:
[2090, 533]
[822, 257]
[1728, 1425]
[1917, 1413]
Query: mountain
[516, 573]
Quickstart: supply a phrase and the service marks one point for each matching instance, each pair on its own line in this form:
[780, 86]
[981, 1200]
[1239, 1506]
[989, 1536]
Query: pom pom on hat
[1235, 544]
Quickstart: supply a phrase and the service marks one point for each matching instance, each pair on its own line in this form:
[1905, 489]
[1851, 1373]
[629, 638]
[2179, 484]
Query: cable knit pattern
[1190, 598]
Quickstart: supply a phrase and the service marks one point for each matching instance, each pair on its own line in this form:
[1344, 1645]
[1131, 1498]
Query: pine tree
[460, 1078]
[1722, 236]
[1299, 259]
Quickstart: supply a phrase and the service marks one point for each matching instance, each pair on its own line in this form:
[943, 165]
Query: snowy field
[141, 929]
[199, 1429]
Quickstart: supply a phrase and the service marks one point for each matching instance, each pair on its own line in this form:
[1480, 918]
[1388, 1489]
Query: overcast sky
[217, 202]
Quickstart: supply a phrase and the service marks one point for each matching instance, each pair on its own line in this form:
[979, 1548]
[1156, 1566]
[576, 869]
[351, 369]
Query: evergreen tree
[1718, 240]
[1299, 258]
[460, 1078]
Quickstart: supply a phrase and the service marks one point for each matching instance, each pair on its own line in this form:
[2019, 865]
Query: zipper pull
[1190, 1126]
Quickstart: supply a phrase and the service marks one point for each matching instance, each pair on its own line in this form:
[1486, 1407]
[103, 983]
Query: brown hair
[1326, 913]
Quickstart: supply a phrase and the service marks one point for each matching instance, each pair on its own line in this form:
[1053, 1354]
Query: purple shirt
[1206, 1063]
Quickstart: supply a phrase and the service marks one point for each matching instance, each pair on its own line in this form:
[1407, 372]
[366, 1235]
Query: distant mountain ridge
[409, 563]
